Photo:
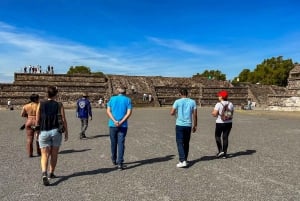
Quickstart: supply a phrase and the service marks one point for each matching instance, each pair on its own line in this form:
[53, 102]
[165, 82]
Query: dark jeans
[84, 125]
[117, 140]
[222, 129]
[183, 136]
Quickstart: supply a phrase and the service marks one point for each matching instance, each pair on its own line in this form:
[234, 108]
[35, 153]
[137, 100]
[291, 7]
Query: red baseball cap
[223, 94]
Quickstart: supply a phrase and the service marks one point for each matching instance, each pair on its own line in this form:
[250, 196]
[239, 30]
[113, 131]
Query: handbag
[61, 127]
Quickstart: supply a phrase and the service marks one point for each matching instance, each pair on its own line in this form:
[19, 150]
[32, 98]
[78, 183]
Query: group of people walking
[46, 120]
[185, 110]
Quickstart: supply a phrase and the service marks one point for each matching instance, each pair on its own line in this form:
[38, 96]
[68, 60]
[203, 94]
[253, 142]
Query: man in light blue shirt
[119, 109]
[186, 122]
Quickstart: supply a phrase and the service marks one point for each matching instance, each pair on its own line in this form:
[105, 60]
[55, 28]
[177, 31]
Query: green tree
[244, 75]
[79, 70]
[274, 71]
[212, 74]
[100, 74]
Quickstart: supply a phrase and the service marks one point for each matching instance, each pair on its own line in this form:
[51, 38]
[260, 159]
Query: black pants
[222, 129]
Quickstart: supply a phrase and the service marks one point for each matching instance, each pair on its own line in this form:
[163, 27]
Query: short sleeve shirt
[184, 108]
[119, 105]
[219, 107]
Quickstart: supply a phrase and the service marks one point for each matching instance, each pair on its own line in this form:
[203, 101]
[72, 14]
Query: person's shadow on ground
[107, 170]
[135, 164]
[242, 153]
[78, 174]
[97, 136]
[68, 151]
[230, 155]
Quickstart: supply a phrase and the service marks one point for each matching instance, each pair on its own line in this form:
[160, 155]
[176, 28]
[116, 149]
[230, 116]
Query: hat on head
[223, 94]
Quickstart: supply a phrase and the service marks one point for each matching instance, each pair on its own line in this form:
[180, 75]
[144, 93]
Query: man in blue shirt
[186, 122]
[119, 109]
[83, 112]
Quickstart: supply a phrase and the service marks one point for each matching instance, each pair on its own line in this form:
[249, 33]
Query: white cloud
[183, 46]
[19, 48]
[22, 47]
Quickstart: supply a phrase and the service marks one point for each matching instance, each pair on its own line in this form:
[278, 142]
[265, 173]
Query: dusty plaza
[263, 163]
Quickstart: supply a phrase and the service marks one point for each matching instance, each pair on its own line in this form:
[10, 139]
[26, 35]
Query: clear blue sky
[176, 38]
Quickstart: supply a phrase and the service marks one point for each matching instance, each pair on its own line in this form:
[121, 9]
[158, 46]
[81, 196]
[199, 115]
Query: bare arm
[63, 115]
[118, 123]
[109, 114]
[128, 114]
[215, 113]
[23, 112]
[195, 120]
[38, 115]
[173, 111]
[90, 112]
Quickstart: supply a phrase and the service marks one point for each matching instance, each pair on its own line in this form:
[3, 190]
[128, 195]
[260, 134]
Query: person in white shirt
[223, 127]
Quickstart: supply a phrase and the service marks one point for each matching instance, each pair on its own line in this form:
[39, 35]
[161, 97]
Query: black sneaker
[52, 176]
[22, 127]
[120, 167]
[83, 137]
[114, 162]
[45, 179]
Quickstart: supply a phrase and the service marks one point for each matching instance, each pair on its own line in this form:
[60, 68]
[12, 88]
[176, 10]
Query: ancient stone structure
[70, 87]
[163, 90]
[290, 100]
[294, 81]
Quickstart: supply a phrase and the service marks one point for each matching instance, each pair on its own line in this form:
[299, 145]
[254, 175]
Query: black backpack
[226, 114]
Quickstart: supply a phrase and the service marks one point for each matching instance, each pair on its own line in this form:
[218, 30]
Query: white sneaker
[220, 154]
[181, 164]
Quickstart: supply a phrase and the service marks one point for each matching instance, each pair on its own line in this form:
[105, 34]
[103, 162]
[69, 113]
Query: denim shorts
[50, 138]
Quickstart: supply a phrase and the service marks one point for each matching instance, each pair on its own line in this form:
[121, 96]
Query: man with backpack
[83, 112]
[223, 110]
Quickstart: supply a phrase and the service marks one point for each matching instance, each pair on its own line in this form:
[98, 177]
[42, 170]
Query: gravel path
[264, 163]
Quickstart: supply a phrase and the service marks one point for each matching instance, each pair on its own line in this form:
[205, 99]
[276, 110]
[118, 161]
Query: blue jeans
[50, 138]
[117, 140]
[183, 136]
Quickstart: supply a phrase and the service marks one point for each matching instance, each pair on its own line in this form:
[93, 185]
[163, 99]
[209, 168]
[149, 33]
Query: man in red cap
[223, 125]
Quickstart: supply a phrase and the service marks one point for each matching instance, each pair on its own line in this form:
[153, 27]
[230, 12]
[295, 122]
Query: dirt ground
[263, 163]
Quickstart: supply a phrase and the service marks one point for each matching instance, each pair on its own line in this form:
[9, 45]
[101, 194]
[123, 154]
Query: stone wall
[70, 87]
[284, 103]
[288, 100]
[164, 90]
[294, 86]
[166, 95]
[59, 79]
[237, 95]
